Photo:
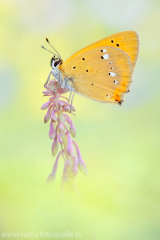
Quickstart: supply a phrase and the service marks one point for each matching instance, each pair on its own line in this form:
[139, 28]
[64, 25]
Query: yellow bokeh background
[120, 197]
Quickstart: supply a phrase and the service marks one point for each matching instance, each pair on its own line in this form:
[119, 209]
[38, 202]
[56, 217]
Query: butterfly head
[55, 62]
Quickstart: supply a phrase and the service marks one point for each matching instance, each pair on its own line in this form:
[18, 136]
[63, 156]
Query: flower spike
[59, 131]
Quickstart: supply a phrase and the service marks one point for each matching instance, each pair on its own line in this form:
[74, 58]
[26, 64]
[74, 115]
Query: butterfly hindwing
[102, 74]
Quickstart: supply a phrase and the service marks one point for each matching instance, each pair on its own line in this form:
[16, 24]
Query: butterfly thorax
[59, 73]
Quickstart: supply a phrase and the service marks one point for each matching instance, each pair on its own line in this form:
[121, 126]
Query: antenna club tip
[47, 40]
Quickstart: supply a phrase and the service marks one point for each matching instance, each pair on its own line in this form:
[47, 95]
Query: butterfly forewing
[102, 74]
[127, 41]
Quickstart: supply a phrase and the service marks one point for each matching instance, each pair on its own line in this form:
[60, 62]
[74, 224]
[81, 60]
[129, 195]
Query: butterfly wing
[127, 41]
[102, 74]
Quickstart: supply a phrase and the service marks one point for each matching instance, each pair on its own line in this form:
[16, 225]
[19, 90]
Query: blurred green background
[120, 198]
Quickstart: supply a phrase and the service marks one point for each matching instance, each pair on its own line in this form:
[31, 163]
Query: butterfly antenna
[53, 48]
[49, 51]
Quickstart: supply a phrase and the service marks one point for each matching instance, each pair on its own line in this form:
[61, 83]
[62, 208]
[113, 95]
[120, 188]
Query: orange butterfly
[101, 71]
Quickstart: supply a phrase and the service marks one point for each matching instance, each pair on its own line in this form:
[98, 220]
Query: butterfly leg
[48, 78]
[72, 101]
[59, 81]
[69, 96]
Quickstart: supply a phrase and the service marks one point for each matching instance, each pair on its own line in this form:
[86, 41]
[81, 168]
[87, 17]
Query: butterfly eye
[57, 63]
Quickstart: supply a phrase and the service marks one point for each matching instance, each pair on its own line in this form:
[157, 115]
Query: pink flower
[61, 132]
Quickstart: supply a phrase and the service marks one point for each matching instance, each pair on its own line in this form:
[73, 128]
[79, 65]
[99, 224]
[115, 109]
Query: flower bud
[54, 147]
[48, 115]
[52, 132]
[69, 108]
[51, 176]
[72, 130]
[46, 92]
[46, 118]
[60, 138]
[60, 103]
[70, 149]
[82, 166]
[66, 109]
[53, 116]
[46, 105]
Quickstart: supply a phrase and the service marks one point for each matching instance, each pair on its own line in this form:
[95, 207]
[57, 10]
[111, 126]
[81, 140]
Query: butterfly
[101, 71]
